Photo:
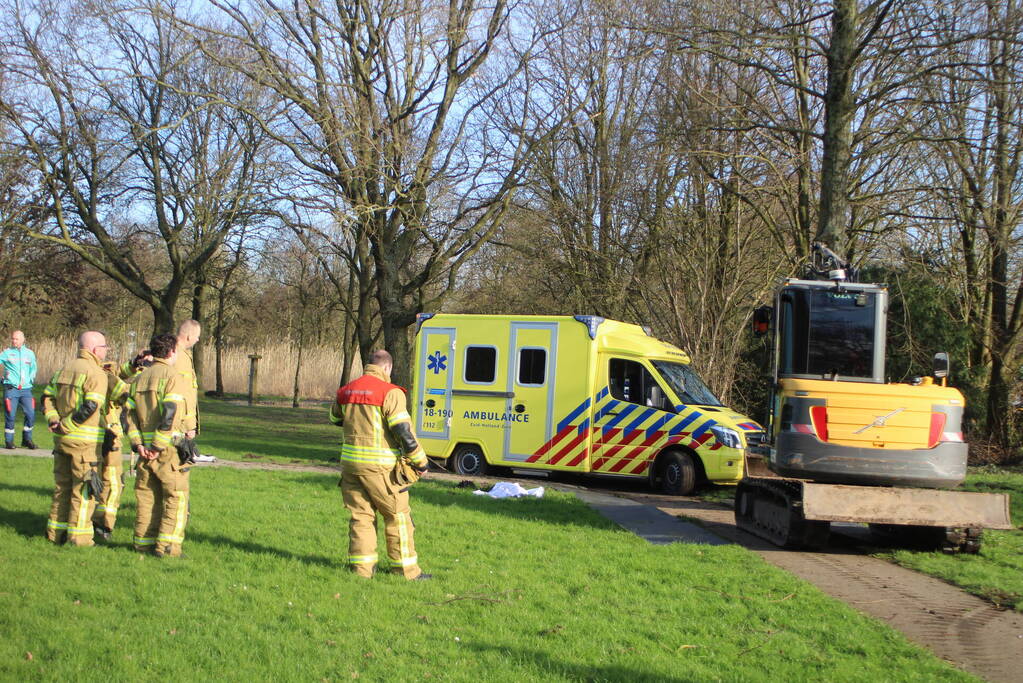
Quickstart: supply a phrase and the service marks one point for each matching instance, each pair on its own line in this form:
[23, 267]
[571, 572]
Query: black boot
[28, 443]
[9, 444]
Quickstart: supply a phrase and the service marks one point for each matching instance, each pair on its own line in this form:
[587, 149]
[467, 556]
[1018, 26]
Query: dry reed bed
[321, 366]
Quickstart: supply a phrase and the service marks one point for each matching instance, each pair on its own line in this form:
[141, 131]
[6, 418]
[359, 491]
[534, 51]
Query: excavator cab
[830, 331]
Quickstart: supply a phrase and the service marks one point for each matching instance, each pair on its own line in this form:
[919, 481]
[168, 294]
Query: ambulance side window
[630, 381]
[532, 366]
[480, 364]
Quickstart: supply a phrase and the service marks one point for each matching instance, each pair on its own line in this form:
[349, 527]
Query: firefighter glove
[187, 451]
[95, 483]
[142, 359]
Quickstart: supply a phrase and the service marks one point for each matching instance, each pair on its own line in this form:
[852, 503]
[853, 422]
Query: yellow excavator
[843, 445]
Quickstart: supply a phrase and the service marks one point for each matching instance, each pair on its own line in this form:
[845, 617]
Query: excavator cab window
[829, 333]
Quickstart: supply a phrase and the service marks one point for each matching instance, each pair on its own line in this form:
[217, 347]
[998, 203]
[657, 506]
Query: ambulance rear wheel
[469, 461]
[678, 474]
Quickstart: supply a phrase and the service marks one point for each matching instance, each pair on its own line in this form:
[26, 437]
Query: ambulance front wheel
[468, 461]
[678, 474]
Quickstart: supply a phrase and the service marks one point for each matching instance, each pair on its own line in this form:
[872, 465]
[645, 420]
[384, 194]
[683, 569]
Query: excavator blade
[925, 507]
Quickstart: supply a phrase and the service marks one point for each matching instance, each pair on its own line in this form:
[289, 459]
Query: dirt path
[960, 628]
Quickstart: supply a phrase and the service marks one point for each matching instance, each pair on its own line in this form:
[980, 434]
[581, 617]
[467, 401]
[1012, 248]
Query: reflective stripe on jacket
[148, 401]
[189, 389]
[82, 380]
[369, 408]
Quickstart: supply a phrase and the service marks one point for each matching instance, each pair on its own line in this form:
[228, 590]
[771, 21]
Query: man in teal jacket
[18, 365]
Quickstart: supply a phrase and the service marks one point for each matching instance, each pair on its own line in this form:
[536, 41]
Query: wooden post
[253, 376]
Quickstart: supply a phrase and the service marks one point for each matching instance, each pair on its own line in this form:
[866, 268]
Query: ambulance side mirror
[940, 365]
[761, 323]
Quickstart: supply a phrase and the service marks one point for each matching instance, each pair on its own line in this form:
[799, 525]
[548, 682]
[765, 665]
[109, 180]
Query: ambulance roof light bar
[422, 318]
[592, 322]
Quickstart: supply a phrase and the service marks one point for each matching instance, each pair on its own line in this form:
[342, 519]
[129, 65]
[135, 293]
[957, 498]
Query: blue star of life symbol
[437, 363]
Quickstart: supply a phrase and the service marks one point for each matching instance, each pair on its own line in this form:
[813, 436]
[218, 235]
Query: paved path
[647, 521]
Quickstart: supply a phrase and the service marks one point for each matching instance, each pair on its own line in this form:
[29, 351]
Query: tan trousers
[112, 472]
[73, 500]
[365, 495]
[161, 495]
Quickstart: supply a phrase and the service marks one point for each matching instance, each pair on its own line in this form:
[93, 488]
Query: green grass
[267, 398]
[286, 435]
[716, 493]
[304, 436]
[533, 590]
[996, 573]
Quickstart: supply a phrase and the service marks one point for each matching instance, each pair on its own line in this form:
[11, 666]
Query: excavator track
[951, 540]
[772, 510]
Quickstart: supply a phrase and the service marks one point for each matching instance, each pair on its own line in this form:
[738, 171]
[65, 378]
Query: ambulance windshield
[684, 381]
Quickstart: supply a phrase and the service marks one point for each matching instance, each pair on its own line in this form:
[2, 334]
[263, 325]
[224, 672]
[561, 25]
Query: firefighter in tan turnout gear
[73, 403]
[112, 461]
[155, 416]
[378, 431]
[188, 335]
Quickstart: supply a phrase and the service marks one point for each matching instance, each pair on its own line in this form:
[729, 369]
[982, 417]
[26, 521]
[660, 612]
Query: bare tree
[594, 161]
[128, 157]
[298, 270]
[19, 206]
[845, 74]
[976, 178]
[388, 101]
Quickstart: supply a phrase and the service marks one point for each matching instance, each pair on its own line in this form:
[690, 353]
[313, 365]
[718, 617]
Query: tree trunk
[396, 339]
[839, 108]
[998, 403]
[349, 337]
[163, 317]
[218, 338]
[349, 351]
[1000, 230]
[198, 298]
[804, 143]
[298, 367]
[395, 316]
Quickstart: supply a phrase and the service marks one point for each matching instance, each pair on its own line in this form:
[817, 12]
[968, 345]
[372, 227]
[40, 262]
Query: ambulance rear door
[529, 410]
[433, 405]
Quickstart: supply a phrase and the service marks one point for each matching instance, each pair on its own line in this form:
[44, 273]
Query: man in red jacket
[378, 431]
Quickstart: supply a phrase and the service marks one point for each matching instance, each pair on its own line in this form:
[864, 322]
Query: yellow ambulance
[570, 393]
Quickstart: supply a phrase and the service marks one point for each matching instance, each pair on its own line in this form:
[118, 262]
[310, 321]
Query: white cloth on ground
[509, 489]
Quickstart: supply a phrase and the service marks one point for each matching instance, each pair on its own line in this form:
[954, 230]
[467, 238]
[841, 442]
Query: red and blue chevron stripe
[626, 443]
